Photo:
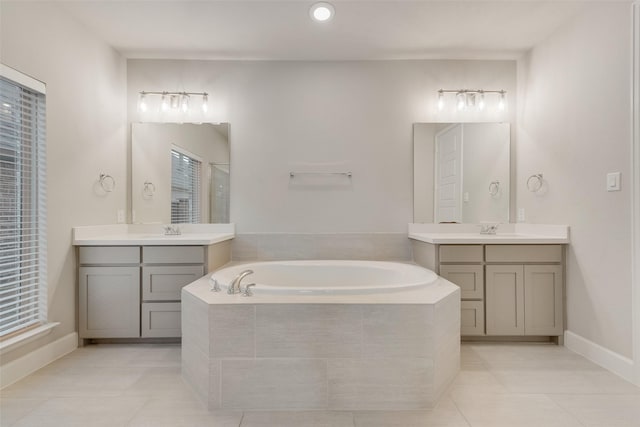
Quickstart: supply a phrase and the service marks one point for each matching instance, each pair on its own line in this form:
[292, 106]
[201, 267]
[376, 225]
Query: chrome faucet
[172, 230]
[488, 228]
[234, 287]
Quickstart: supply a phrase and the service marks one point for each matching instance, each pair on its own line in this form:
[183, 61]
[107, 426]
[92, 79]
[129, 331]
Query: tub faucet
[234, 287]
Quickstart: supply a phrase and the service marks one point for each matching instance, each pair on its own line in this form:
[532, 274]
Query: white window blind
[185, 188]
[23, 250]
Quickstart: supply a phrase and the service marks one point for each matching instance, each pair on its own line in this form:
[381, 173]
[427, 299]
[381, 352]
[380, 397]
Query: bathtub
[327, 277]
[322, 335]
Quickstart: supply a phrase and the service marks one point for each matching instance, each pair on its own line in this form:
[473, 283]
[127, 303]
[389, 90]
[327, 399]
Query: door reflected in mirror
[461, 172]
[180, 173]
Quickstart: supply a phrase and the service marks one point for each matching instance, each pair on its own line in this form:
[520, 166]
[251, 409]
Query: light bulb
[471, 100]
[142, 103]
[174, 101]
[481, 103]
[461, 101]
[440, 100]
[205, 103]
[184, 103]
[502, 103]
[164, 103]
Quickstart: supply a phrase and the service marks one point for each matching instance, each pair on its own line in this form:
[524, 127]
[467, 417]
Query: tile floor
[499, 385]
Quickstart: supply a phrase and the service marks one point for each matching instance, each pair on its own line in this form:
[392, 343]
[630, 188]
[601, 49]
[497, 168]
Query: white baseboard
[614, 362]
[29, 363]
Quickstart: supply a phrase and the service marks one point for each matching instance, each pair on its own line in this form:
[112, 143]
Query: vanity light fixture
[472, 99]
[172, 101]
[322, 11]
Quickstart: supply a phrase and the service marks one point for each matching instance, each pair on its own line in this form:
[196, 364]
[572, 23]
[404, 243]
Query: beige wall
[336, 116]
[574, 127]
[86, 81]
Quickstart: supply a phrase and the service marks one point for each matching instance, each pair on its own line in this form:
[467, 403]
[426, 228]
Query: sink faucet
[171, 230]
[234, 287]
[488, 228]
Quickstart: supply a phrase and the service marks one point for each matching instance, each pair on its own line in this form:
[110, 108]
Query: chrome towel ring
[534, 183]
[107, 182]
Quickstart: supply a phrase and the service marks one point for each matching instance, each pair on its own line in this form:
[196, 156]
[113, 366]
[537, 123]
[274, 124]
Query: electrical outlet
[120, 216]
[521, 216]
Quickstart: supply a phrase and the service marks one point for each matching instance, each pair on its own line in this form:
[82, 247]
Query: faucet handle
[214, 285]
[247, 290]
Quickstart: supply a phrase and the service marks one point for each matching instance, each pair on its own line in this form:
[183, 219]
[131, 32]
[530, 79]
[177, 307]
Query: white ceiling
[361, 30]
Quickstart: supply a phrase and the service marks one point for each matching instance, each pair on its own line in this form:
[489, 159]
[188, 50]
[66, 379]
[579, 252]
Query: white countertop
[507, 234]
[151, 235]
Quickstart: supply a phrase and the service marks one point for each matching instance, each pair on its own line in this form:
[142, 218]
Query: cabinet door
[471, 318]
[505, 299]
[543, 300]
[470, 278]
[164, 283]
[161, 320]
[109, 302]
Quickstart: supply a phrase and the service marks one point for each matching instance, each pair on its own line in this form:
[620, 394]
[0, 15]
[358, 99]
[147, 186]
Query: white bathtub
[327, 277]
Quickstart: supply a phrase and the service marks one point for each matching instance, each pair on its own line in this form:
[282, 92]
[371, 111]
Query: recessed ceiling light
[322, 11]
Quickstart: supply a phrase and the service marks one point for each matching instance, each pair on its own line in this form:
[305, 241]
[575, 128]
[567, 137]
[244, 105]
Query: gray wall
[335, 116]
[574, 127]
[86, 135]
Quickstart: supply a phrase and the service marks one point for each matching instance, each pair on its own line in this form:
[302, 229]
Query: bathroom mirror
[179, 173]
[461, 172]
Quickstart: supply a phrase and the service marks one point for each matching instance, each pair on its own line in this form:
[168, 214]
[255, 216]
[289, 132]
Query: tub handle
[247, 290]
[214, 285]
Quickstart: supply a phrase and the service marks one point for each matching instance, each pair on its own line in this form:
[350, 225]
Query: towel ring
[107, 182]
[149, 189]
[494, 188]
[534, 183]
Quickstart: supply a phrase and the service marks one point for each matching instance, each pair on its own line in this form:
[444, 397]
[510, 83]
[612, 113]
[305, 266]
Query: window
[185, 187]
[23, 248]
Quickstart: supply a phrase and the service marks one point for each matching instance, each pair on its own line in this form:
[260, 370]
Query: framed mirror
[180, 173]
[461, 172]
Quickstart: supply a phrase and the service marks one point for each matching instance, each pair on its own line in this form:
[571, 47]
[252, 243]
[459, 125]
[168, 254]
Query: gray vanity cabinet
[165, 270]
[134, 291]
[524, 297]
[109, 292]
[463, 265]
[506, 290]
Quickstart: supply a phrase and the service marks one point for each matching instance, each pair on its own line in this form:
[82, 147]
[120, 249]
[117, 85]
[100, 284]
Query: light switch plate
[613, 181]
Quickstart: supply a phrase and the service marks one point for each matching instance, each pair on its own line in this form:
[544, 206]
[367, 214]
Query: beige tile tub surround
[349, 352]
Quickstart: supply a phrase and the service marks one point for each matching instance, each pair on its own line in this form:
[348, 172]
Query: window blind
[23, 250]
[185, 188]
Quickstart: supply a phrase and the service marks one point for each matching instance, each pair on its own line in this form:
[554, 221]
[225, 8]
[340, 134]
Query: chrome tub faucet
[234, 287]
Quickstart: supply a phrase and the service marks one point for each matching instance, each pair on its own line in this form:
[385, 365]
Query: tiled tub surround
[396, 350]
[292, 246]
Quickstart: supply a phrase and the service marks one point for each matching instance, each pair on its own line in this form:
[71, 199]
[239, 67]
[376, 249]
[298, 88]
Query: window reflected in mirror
[180, 173]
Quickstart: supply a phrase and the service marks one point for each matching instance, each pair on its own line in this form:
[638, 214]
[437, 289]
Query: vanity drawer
[109, 255]
[461, 253]
[173, 254]
[161, 320]
[524, 253]
[470, 279]
[164, 283]
[471, 318]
